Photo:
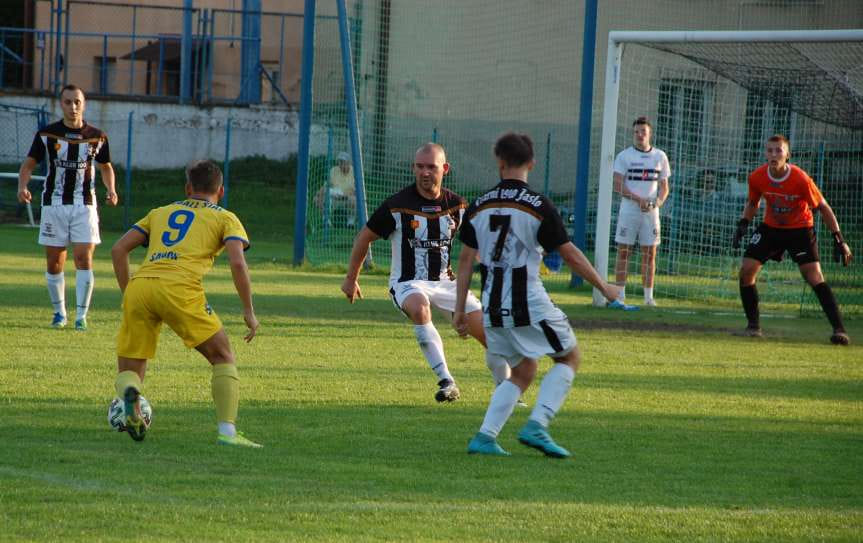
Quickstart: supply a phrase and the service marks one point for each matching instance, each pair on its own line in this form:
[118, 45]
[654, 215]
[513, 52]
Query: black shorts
[771, 243]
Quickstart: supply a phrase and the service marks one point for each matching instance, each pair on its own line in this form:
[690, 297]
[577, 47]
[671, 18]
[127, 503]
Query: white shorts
[440, 294]
[61, 225]
[547, 337]
[632, 223]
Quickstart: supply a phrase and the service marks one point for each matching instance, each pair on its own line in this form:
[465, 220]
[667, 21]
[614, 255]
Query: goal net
[19, 123]
[713, 99]
[445, 72]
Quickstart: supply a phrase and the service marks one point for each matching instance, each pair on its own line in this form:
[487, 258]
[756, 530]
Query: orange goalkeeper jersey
[789, 200]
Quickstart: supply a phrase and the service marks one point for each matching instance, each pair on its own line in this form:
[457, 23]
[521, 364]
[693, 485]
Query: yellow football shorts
[148, 302]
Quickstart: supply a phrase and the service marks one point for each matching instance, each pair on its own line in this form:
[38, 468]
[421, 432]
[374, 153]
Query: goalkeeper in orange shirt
[790, 196]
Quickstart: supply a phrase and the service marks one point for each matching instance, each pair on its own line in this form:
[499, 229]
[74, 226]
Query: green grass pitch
[680, 431]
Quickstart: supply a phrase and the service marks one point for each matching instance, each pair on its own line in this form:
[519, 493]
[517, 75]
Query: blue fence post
[49, 43]
[579, 236]
[103, 76]
[160, 66]
[210, 42]
[58, 56]
[226, 165]
[434, 135]
[250, 59]
[353, 127]
[41, 38]
[65, 57]
[127, 200]
[281, 52]
[186, 52]
[307, 72]
[132, 55]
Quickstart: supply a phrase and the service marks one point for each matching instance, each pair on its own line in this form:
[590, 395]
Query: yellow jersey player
[182, 240]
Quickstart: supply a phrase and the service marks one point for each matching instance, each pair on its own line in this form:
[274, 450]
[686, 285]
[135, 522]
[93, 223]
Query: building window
[683, 117]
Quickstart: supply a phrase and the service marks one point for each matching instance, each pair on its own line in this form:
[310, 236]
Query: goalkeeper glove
[742, 226]
[839, 254]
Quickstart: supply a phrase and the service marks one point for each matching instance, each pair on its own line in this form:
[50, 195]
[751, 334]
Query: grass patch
[680, 431]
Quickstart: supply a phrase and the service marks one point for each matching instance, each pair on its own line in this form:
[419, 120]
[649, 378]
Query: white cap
[343, 156]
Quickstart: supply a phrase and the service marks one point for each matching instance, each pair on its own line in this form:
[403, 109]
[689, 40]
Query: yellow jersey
[184, 238]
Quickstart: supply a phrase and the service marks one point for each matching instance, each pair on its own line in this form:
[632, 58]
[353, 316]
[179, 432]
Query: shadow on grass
[417, 454]
[807, 388]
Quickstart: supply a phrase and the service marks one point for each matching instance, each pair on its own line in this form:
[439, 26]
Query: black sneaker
[840, 338]
[448, 391]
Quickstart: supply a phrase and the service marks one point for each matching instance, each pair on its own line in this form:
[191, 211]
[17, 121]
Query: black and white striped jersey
[70, 153]
[421, 232]
[510, 226]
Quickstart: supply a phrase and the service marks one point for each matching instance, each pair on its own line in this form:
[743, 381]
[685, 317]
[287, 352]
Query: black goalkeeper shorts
[768, 243]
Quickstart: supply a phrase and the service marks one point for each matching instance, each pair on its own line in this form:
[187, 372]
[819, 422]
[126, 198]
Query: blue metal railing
[48, 65]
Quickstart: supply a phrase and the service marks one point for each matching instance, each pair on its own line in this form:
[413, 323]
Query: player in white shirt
[508, 228]
[641, 175]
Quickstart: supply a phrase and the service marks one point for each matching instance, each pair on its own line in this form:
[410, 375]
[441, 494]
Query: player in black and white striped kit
[508, 228]
[72, 148]
[421, 221]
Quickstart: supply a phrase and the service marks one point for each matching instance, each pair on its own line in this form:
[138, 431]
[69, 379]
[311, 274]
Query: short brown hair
[780, 138]
[204, 176]
[73, 88]
[642, 120]
[514, 149]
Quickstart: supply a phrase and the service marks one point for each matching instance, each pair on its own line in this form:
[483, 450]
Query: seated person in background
[708, 185]
[341, 183]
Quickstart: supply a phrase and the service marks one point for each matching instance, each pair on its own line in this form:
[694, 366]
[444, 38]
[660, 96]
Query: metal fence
[165, 53]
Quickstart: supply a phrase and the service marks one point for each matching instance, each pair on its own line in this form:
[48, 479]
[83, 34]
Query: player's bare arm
[579, 264]
[463, 276]
[120, 255]
[243, 284]
[620, 187]
[351, 285]
[662, 193]
[109, 180]
[24, 174]
[841, 250]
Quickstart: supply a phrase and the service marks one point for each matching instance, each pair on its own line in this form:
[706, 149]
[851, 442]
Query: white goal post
[674, 39]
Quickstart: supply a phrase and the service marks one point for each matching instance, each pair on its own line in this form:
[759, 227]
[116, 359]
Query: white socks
[622, 296]
[432, 347]
[648, 294]
[500, 408]
[227, 429]
[552, 392]
[83, 292]
[57, 291]
[498, 366]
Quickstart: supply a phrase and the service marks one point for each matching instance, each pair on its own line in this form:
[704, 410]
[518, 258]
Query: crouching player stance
[508, 228]
[182, 240]
[791, 197]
